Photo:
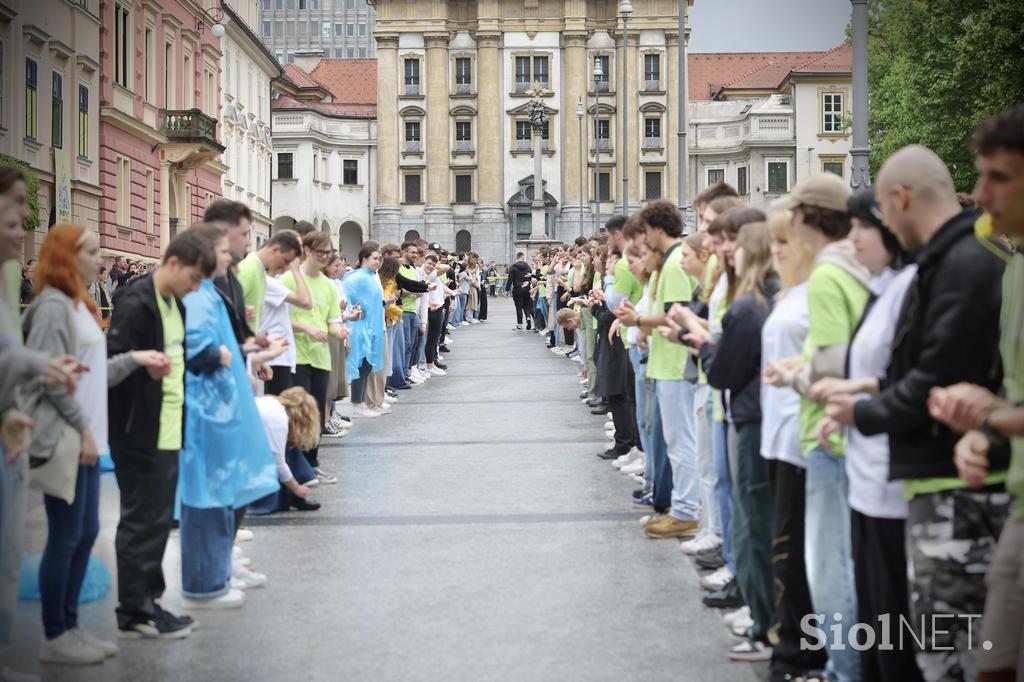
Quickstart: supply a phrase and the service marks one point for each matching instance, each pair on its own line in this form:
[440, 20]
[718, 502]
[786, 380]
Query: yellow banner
[61, 186]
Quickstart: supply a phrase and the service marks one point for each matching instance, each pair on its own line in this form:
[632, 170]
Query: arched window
[463, 241]
[412, 235]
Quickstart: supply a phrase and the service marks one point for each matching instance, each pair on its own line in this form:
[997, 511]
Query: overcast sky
[767, 25]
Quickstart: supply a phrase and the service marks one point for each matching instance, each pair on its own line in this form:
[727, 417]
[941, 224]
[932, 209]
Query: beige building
[454, 145]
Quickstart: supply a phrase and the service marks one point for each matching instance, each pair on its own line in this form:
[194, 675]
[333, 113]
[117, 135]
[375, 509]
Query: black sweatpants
[281, 381]
[434, 320]
[522, 302]
[314, 381]
[880, 573]
[147, 483]
[482, 298]
[359, 383]
[623, 409]
[792, 594]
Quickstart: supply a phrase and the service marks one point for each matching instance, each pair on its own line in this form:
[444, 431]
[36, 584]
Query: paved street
[506, 551]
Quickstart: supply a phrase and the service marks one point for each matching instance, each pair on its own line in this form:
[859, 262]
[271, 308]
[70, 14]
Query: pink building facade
[159, 152]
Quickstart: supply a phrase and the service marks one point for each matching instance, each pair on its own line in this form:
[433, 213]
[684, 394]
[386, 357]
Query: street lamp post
[860, 175]
[598, 75]
[579, 121]
[538, 118]
[625, 9]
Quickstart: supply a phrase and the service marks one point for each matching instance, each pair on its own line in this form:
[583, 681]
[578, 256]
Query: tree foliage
[32, 185]
[935, 68]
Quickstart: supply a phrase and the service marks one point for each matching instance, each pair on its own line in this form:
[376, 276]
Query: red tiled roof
[284, 102]
[298, 76]
[709, 72]
[349, 80]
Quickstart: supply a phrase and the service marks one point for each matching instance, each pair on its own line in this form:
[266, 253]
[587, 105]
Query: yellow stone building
[455, 147]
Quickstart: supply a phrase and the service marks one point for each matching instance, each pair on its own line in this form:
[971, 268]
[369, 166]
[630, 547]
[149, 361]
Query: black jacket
[737, 355]
[518, 274]
[133, 406]
[614, 371]
[234, 299]
[948, 332]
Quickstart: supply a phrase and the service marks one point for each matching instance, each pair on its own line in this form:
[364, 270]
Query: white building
[763, 121]
[325, 140]
[247, 69]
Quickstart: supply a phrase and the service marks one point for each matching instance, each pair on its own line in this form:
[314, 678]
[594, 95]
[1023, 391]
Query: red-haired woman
[64, 320]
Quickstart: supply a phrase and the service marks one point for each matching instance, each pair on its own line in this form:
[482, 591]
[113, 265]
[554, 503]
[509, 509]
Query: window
[741, 181]
[652, 72]
[266, 29]
[278, 4]
[124, 191]
[652, 132]
[31, 101]
[339, 29]
[412, 136]
[412, 76]
[778, 176]
[284, 166]
[833, 166]
[186, 85]
[149, 58]
[325, 29]
[350, 52]
[122, 34]
[540, 71]
[83, 121]
[832, 113]
[210, 92]
[652, 185]
[316, 167]
[169, 76]
[603, 80]
[57, 112]
[602, 133]
[522, 74]
[303, 27]
[350, 172]
[463, 136]
[463, 70]
[350, 29]
[463, 189]
[716, 175]
[302, 4]
[412, 189]
[150, 197]
[362, 30]
[524, 135]
[603, 182]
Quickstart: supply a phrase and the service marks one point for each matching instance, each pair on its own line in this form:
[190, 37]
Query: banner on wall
[61, 186]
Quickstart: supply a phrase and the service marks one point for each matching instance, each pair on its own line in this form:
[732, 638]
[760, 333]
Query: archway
[350, 238]
[463, 241]
[282, 223]
[412, 235]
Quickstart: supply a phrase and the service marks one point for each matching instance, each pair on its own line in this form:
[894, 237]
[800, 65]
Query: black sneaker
[439, 365]
[611, 453]
[726, 598]
[444, 349]
[710, 559]
[303, 505]
[158, 626]
[187, 620]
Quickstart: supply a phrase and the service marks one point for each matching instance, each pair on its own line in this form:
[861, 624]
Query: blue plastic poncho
[226, 460]
[366, 338]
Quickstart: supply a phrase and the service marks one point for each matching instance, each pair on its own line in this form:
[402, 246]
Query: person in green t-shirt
[275, 255]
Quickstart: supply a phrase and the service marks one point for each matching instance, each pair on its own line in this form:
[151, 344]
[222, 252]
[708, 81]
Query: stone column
[437, 214]
[574, 87]
[633, 121]
[387, 212]
[491, 227]
[860, 175]
[671, 123]
[615, 182]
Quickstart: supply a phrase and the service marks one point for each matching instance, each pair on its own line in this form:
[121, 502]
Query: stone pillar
[671, 123]
[632, 121]
[574, 87]
[490, 225]
[860, 176]
[437, 214]
[387, 212]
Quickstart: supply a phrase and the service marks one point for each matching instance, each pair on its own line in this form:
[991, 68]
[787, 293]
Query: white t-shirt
[641, 309]
[435, 297]
[782, 336]
[867, 457]
[91, 391]
[275, 423]
[277, 322]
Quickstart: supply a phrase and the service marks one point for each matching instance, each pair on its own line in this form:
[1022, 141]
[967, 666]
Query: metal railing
[189, 125]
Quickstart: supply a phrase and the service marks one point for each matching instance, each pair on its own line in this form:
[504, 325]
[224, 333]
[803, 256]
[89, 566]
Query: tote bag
[58, 475]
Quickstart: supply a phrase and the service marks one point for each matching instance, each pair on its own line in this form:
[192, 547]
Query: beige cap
[827, 190]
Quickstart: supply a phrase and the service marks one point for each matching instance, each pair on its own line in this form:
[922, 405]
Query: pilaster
[489, 119]
[387, 122]
[438, 138]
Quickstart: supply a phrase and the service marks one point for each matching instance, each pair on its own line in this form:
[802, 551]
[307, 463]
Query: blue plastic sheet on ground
[96, 585]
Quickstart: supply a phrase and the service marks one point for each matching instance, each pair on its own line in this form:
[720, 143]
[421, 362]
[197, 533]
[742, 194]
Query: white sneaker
[717, 580]
[390, 400]
[363, 412]
[232, 599]
[474, 321]
[440, 358]
[108, 648]
[248, 579]
[10, 675]
[732, 616]
[451, 327]
[438, 372]
[609, 424]
[692, 546]
[243, 535]
[633, 468]
[628, 458]
[415, 379]
[69, 649]
[742, 624]
[313, 482]
[382, 410]
[465, 323]
[638, 479]
[705, 541]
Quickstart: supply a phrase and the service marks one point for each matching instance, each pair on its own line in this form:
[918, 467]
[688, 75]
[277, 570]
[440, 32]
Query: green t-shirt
[326, 307]
[253, 278]
[173, 385]
[835, 304]
[409, 300]
[1011, 346]
[629, 285]
[667, 360]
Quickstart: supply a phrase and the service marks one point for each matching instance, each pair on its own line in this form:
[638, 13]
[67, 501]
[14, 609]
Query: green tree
[935, 68]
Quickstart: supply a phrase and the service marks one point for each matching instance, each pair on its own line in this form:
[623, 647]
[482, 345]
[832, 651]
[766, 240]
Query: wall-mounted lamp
[214, 15]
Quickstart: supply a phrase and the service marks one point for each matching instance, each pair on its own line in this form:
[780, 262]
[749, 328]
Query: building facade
[325, 148]
[763, 121]
[247, 71]
[455, 146]
[49, 96]
[159, 104]
[328, 28]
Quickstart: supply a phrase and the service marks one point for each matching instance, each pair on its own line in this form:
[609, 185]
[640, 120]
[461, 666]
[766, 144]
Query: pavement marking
[305, 519]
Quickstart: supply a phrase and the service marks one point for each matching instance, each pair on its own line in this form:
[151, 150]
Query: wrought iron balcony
[190, 126]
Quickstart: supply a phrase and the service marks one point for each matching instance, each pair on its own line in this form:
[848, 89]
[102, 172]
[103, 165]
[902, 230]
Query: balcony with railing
[756, 129]
[190, 126]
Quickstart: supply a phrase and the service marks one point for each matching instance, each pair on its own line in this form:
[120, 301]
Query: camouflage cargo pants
[951, 538]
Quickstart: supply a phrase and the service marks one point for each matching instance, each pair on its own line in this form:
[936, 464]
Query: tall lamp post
[579, 121]
[538, 118]
[598, 75]
[860, 175]
[625, 9]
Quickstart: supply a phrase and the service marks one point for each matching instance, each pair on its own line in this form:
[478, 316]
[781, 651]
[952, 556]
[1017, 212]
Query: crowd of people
[211, 381]
[823, 403]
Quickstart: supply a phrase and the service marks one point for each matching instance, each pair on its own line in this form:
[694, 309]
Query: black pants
[482, 297]
[147, 483]
[314, 381]
[435, 318]
[281, 381]
[792, 594]
[359, 383]
[623, 409]
[880, 573]
[444, 320]
[522, 302]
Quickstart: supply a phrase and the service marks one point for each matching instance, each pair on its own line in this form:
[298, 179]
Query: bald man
[948, 333]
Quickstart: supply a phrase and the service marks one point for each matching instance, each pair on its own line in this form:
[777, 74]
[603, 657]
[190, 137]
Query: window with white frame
[463, 189]
[413, 193]
[832, 113]
[603, 184]
[530, 69]
[652, 132]
[284, 166]
[464, 136]
[715, 175]
[777, 171]
[122, 43]
[463, 75]
[412, 137]
[603, 133]
[742, 182]
[57, 112]
[412, 76]
[652, 185]
[150, 200]
[350, 172]
[83, 121]
[31, 98]
[124, 191]
[149, 65]
[604, 80]
[652, 71]
[187, 79]
[524, 136]
[169, 98]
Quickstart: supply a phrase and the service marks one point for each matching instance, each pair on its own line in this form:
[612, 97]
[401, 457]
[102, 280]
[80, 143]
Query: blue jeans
[639, 372]
[661, 470]
[72, 532]
[410, 328]
[542, 312]
[282, 499]
[396, 337]
[723, 487]
[829, 557]
[207, 536]
[709, 515]
[675, 401]
[460, 309]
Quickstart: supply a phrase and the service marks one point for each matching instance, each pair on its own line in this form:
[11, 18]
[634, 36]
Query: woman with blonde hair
[292, 423]
[63, 320]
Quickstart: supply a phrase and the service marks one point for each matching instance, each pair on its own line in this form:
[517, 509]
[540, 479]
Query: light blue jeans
[829, 559]
[460, 309]
[639, 372]
[723, 487]
[675, 400]
[207, 536]
[710, 517]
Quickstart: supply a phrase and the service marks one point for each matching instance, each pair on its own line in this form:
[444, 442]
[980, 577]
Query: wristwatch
[995, 439]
